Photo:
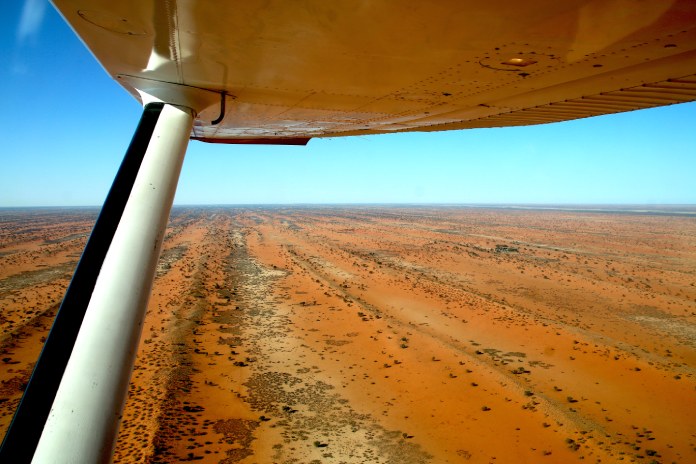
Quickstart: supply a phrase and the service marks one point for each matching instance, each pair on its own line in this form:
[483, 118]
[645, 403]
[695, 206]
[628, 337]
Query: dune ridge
[387, 334]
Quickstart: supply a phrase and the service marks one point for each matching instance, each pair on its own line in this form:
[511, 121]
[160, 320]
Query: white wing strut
[85, 415]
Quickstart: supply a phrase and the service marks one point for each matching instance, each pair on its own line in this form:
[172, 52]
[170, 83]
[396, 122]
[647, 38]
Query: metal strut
[85, 408]
[25, 430]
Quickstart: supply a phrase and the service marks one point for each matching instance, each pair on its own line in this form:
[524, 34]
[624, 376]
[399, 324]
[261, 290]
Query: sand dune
[391, 335]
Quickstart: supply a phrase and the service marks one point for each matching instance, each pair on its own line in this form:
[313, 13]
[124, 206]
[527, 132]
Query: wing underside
[285, 72]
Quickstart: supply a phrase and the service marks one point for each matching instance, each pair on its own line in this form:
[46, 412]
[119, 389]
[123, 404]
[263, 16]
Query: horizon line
[510, 205]
[447, 203]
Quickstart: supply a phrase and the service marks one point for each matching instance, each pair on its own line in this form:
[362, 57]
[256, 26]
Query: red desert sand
[388, 335]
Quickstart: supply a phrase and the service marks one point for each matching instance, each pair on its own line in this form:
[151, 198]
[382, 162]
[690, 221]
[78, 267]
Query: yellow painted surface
[333, 68]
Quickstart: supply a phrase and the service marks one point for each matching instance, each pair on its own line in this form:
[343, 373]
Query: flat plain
[389, 334]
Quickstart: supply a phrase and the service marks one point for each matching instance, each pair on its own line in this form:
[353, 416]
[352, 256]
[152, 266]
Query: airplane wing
[284, 71]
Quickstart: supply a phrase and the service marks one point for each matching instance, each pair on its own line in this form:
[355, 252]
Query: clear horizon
[532, 206]
[69, 124]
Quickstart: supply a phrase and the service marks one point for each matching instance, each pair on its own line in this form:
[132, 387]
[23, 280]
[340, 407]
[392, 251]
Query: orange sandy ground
[390, 335]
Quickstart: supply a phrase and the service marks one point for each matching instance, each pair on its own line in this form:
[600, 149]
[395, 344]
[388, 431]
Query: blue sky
[66, 125]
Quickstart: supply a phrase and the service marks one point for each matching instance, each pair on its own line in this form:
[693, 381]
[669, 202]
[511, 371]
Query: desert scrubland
[389, 335]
